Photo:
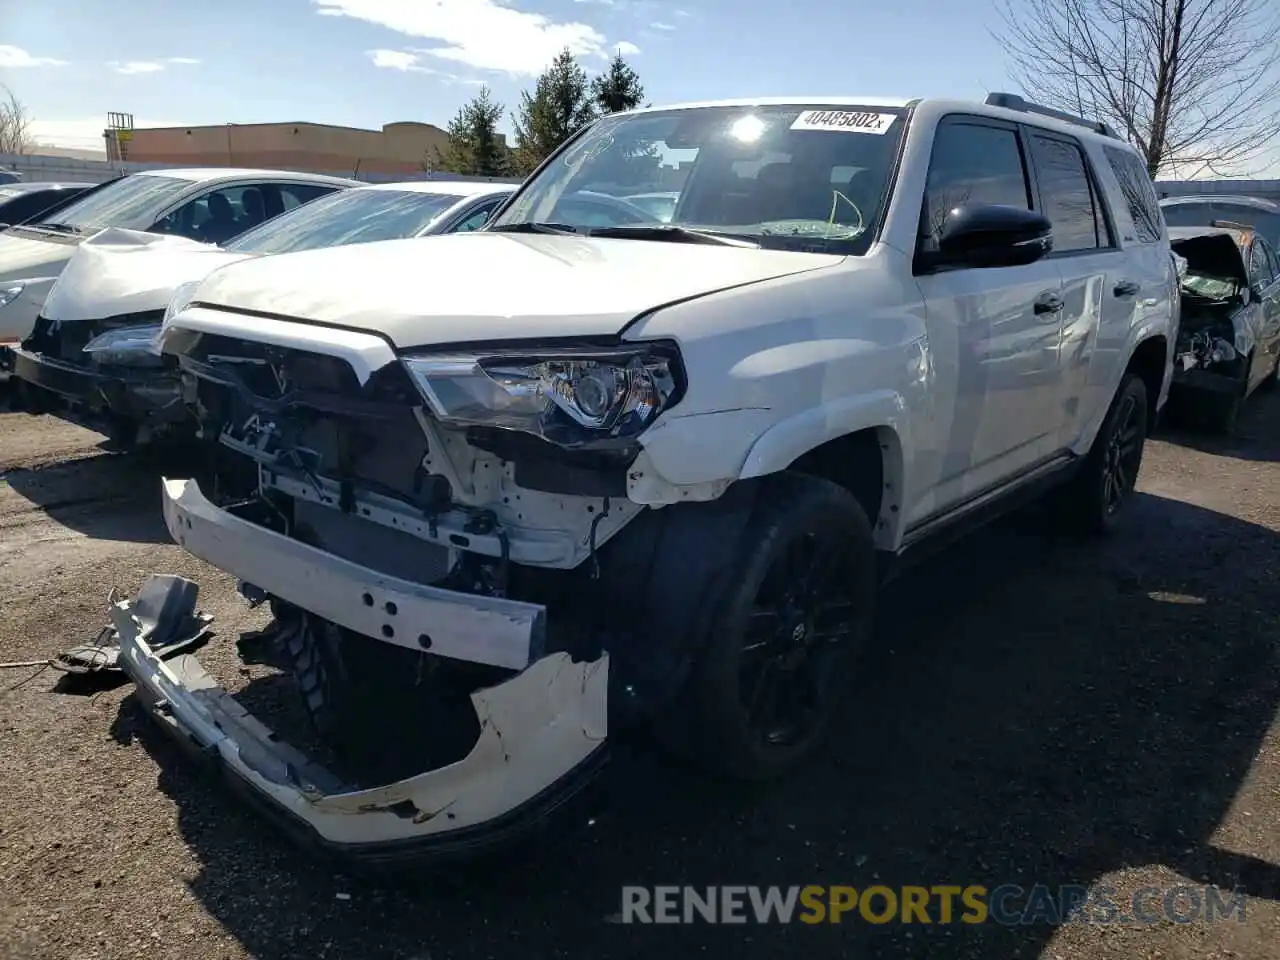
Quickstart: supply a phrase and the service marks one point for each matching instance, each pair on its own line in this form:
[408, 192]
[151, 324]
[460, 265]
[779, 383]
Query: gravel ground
[1039, 711]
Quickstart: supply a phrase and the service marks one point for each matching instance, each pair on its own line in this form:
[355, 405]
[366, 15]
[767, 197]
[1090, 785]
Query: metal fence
[38, 168]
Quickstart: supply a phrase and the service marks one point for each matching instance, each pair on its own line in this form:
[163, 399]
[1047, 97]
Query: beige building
[396, 148]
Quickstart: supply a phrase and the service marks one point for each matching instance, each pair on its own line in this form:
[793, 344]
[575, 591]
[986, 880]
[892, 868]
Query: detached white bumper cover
[542, 737]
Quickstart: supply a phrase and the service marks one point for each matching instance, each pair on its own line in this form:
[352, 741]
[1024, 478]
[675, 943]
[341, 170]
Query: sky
[365, 63]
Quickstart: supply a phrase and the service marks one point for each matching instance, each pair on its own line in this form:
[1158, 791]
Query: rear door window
[1067, 193]
[1139, 194]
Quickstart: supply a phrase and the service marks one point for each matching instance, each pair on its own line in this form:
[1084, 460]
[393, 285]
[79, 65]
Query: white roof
[817, 100]
[450, 188]
[199, 174]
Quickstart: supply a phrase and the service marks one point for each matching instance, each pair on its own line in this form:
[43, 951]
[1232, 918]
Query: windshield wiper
[533, 226]
[672, 234]
[58, 227]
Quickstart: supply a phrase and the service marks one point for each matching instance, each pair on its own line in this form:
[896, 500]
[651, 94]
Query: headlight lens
[10, 292]
[129, 346]
[183, 294]
[574, 398]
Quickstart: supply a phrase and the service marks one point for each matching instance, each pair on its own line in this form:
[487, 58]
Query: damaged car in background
[521, 489]
[95, 344]
[1229, 339]
[210, 204]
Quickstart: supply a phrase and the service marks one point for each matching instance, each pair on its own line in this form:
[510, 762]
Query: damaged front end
[1219, 316]
[93, 351]
[466, 597]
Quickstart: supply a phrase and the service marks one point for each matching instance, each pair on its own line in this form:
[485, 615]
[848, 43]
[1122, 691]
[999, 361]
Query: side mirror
[993, 235]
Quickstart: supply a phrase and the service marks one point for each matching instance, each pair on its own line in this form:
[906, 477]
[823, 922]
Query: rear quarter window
[1139, 194]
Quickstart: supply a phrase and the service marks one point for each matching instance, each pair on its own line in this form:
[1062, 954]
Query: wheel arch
[1151, 361]
[857, 443]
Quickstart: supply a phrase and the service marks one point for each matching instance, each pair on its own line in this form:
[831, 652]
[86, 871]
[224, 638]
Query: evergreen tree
[618, 88]
[475, 147]
[561, 104]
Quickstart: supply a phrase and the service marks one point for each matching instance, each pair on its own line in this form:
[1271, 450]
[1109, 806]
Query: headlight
[129, 346]
[574, 397]
[10, 292]
[181, 299]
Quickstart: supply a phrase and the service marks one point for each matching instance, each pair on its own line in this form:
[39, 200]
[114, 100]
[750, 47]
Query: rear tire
[1096, 497]
[783, 636]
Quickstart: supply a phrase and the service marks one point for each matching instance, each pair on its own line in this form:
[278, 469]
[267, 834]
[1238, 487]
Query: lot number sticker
[845, 120]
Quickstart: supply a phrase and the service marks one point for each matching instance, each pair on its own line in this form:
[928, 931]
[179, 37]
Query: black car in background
[1206, 210]
[20, 202]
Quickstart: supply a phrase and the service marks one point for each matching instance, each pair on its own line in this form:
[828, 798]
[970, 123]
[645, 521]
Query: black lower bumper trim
[140, 395]
[1206, 380]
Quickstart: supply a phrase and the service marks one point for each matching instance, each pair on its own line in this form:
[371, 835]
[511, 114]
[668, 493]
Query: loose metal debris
[166, 609]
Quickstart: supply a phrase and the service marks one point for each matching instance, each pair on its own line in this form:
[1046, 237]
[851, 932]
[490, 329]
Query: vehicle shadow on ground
[1037, 710]
[107, 496]
[1256, 437]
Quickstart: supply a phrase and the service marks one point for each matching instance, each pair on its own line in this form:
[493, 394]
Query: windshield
[348, 216]
[788, 177]
[131, 202]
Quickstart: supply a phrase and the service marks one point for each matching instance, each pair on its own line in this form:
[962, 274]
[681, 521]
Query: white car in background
[212, 205]
[93, 344]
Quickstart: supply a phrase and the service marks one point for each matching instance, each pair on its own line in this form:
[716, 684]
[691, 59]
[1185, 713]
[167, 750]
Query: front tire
[785, 633]
[1097, 496]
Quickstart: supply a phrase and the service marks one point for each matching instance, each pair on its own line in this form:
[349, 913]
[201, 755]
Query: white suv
[575, 471]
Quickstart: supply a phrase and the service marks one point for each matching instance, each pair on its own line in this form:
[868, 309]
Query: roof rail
[1011, 101]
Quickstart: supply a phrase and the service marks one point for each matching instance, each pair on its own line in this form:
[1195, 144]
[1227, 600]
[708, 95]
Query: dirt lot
[1040, 711]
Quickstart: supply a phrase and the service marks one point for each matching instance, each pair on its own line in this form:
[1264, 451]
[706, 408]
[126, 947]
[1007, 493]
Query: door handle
[1126, 288]
[1048, 303]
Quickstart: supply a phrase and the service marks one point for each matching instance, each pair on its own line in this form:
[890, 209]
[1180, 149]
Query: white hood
[481, 286]
[121, 271]
[23, 256]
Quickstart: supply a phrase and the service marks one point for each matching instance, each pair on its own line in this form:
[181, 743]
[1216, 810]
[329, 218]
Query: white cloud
[658, 25]
[627, 48]
[136, 66]
[396, 60]
[15, 57]
[480, 33]
[130, 67]
[410, 61]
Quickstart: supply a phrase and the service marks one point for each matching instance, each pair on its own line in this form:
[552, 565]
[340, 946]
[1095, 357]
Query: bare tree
[15, 124]
[1189, 82]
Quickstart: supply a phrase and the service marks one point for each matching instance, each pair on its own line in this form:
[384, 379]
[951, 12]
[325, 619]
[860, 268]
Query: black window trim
[962, 119]
[1101, 205]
